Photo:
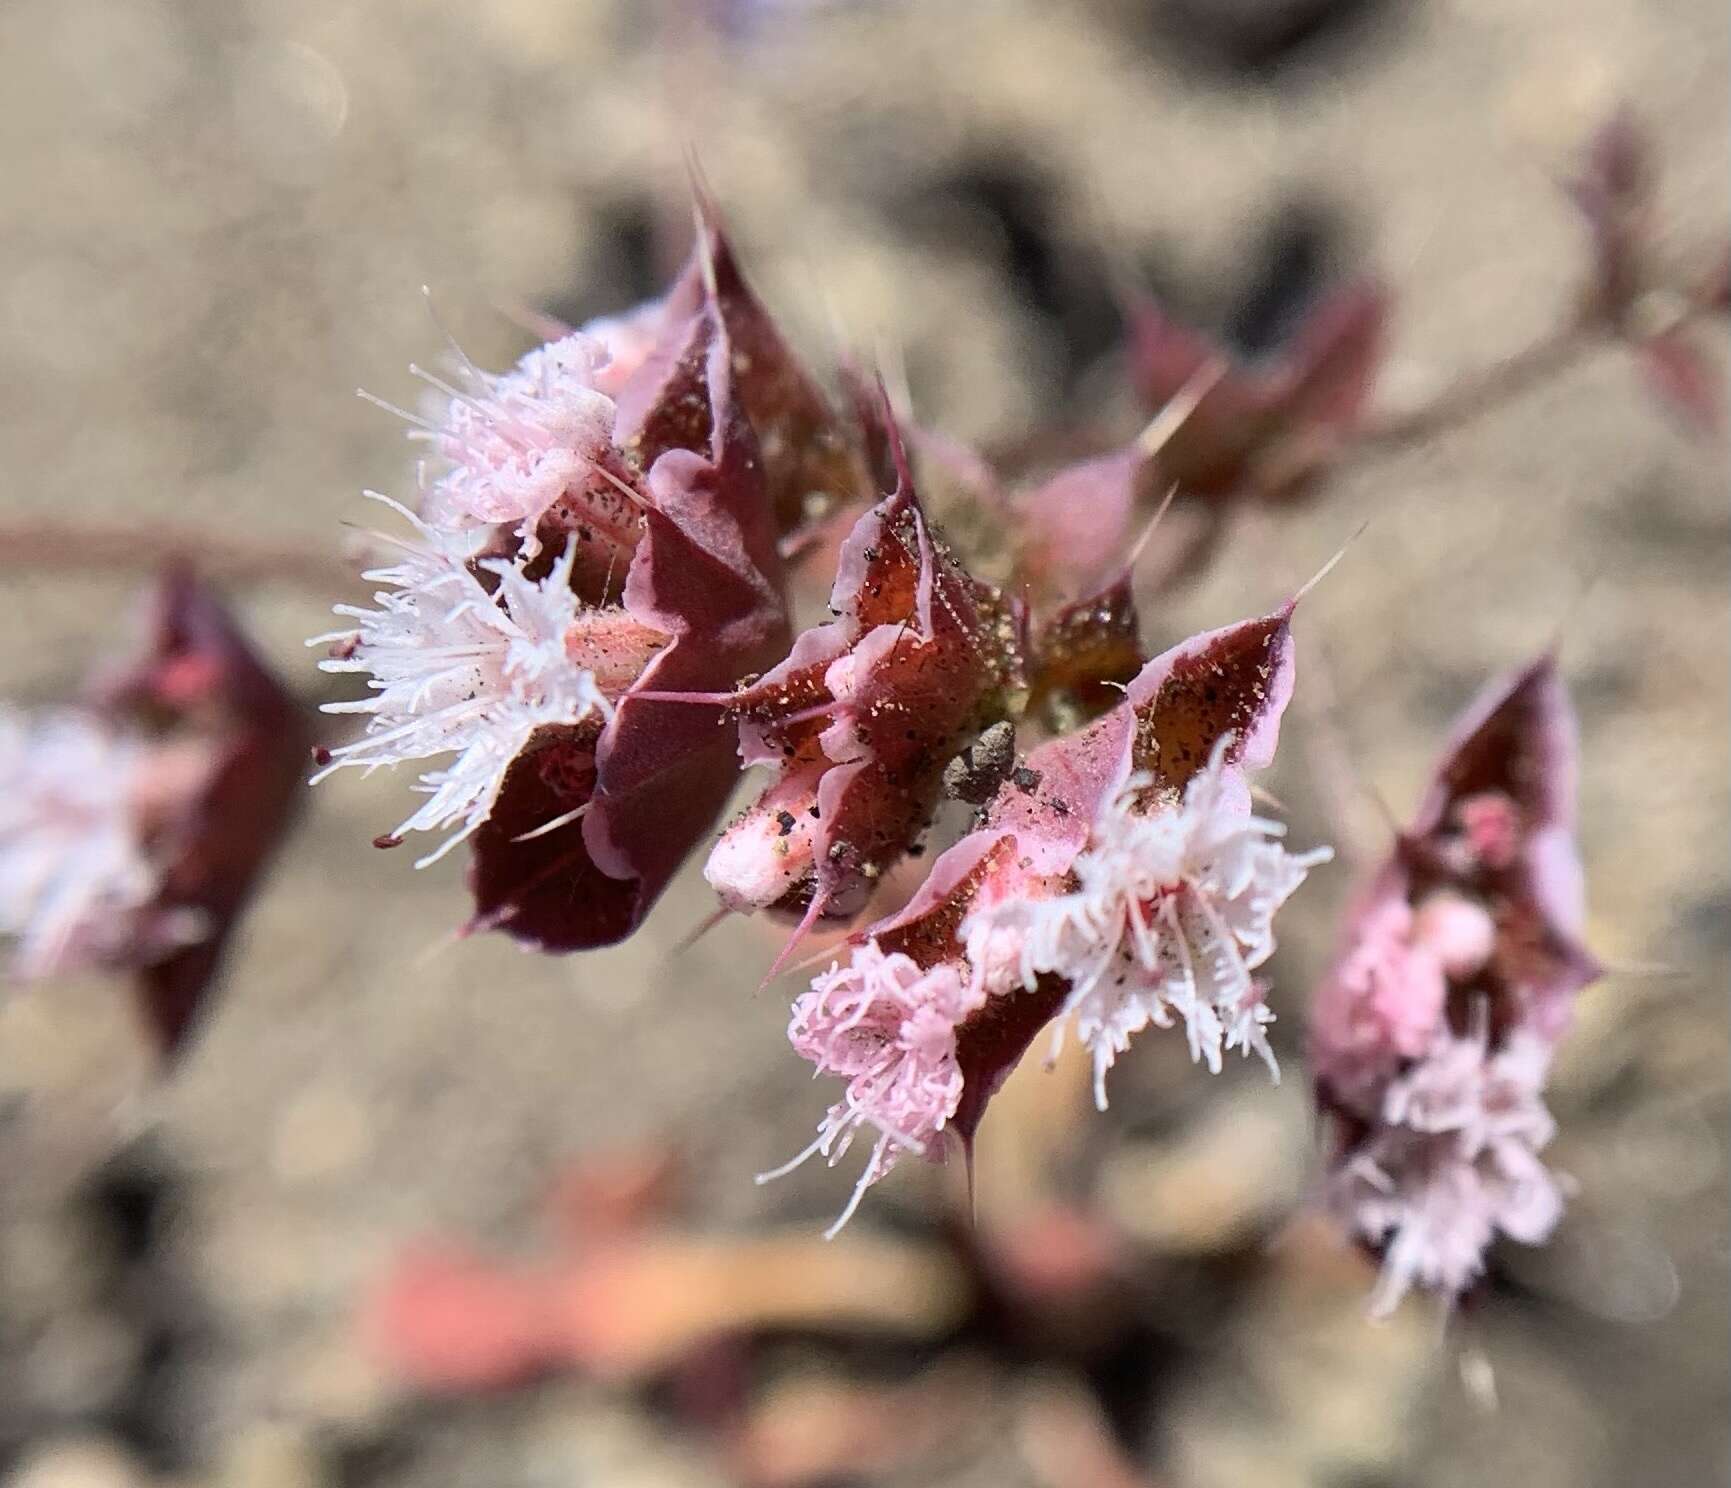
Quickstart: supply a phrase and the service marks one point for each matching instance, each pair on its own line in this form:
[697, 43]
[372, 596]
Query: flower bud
[861, 719]
[1457, 931]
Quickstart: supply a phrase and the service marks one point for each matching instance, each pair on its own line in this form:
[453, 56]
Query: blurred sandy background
[217, 218]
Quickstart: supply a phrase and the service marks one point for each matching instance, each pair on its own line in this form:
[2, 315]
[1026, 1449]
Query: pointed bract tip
[704, 204]
[701, 929]
[1178, 408]
[1327, 568]
[1149, 528]
[893, 434]
[819, 900]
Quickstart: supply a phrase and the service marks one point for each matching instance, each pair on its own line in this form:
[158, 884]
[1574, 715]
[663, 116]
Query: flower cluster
[600, 537]
[73, 872]
[596, 579]
[1118, 878]
[1431, 1038]
[134, 825]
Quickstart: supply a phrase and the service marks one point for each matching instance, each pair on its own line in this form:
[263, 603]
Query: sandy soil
[218, 218]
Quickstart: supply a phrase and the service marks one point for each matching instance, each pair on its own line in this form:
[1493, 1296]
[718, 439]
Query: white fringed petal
[458, 670]
[1172, 913]
[72, 869]
[1454, 1163]
[889, 1028]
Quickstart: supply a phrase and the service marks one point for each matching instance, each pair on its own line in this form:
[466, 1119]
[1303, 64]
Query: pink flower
[1151, 894]
[888, 1028]
[133, 829]
[518, 443]
[462, 667]
[73, 872]
[595, 544]
[1117, 878]
[1171, 913]
[1472, 923]
[1453, 1161]
[1382, 1004]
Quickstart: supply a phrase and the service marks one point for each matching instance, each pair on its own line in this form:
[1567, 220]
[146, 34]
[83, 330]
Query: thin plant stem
[1477, 392]
[106, 545]
[109, 546]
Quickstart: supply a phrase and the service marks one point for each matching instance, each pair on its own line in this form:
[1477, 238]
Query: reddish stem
[1478, 391]
[105, 545]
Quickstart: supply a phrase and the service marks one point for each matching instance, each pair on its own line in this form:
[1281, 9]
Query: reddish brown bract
[1261, 430]
[704, 575]
[1457, 976]
[232, 748]
[861, 718]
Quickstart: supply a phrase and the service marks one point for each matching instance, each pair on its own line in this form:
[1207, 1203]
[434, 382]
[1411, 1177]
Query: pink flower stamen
[889, 1028]
[1172, 911]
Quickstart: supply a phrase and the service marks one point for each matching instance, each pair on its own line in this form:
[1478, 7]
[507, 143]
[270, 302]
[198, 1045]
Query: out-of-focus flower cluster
[1431, 1038]
[135, 823]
